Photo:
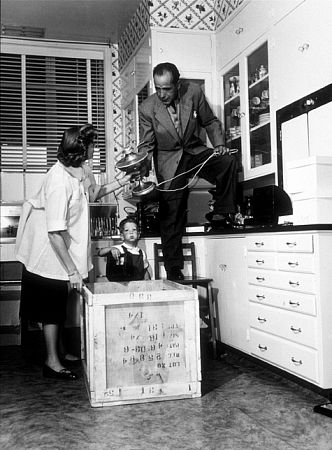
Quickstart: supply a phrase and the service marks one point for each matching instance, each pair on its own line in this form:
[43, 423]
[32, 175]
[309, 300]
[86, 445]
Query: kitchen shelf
[232, 99]
[257, 127]
[259, 82]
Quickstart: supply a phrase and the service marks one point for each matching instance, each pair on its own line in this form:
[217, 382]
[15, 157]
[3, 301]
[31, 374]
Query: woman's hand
[122, 178]
[75, 281]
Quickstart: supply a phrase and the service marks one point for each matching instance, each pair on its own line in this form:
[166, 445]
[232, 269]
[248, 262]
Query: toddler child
[126, 261]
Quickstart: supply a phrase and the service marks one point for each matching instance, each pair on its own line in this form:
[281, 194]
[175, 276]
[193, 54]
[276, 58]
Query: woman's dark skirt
[43, 299]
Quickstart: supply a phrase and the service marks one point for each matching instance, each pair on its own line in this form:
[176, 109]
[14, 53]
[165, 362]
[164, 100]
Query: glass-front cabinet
[247, 112]
[232, 109]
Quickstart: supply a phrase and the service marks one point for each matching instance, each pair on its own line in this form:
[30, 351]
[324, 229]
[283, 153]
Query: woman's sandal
[63, 374]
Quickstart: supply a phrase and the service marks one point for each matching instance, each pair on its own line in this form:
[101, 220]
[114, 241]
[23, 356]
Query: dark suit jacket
[159, 137]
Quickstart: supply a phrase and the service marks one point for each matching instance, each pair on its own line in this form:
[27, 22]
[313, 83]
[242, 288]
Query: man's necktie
[175, 118]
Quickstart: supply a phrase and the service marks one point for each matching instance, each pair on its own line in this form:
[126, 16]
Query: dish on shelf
[263, 118]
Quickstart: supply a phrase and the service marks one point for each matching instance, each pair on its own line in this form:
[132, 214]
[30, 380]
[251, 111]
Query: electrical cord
[201, 165]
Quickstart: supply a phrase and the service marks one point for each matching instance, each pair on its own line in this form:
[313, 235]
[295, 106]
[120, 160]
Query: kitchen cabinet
[181, 48]
[272, 293]
[300, 47]
[246, 101]
[10, 293]
[249, 23]
[289, 309]
[136, 73]
[226, 264]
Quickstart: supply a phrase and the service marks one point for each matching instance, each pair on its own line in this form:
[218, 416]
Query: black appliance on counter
[268, 204]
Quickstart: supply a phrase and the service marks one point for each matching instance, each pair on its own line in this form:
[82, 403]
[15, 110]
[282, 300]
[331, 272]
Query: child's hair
[125, 221]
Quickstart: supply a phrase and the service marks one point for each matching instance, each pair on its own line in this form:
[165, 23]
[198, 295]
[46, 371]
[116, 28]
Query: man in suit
[170, 122]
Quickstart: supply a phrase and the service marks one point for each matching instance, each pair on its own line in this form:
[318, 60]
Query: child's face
[130, 233]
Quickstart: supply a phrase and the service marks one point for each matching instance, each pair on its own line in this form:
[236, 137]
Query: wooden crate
[140, 342]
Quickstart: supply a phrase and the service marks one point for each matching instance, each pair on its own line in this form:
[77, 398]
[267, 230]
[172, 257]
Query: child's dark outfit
[129, 266]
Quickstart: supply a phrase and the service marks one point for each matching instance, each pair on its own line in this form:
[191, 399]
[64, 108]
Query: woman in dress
[53, 240]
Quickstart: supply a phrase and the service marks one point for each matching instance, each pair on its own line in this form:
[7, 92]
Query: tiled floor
[243, 406]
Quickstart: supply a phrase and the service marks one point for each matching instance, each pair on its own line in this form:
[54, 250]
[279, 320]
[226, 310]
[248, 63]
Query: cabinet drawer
[7, 252]
[302, 303]
[286, 324]
[261, 243]
[296, 262]
[295, 243]
[9, 313]
[302, 361]
[262, 260]
[295, 282]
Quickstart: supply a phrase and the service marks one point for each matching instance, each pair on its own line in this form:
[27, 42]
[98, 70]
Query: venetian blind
[41, 96]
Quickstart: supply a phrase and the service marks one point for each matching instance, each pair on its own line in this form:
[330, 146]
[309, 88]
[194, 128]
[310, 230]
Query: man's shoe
[175, 274]
[224, 221]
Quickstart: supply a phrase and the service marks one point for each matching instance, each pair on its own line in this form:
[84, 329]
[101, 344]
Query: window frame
[86, 51]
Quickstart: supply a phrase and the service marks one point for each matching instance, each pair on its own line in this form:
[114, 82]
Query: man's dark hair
[161, 68]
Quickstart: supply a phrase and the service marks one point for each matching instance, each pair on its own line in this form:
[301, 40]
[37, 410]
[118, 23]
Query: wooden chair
[189, 256]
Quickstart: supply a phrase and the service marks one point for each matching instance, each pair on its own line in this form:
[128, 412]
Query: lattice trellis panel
[117, 113]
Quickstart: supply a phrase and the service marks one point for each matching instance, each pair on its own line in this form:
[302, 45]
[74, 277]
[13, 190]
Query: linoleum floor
[243, 406]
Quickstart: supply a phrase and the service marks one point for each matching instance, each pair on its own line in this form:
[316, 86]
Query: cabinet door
[128, 83]
[187, 50]
[246, 95]
[227, 267]
[143, 69]
[258, 155]
[300, 48]
[248, 25]
[233, 111]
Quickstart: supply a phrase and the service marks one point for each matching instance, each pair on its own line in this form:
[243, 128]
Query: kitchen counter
[256, 229]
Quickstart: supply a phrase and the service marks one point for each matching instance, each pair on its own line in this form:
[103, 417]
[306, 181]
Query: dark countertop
[268, 229]
[246, 230]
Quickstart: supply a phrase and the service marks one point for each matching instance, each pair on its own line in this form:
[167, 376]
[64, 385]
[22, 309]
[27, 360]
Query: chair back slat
[189, 255]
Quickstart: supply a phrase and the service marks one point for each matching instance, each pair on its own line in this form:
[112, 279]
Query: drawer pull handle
[260, 297]
[296, 330]
[259, 244]
[260, 261]
[291, 244]
[263, 348]
[260, 279]
[294, 283]
[292, 264]
[294, 303]
[261, 319]
[297, 362]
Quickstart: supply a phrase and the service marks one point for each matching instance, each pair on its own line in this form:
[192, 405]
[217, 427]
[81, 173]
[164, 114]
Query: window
[41, 96]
